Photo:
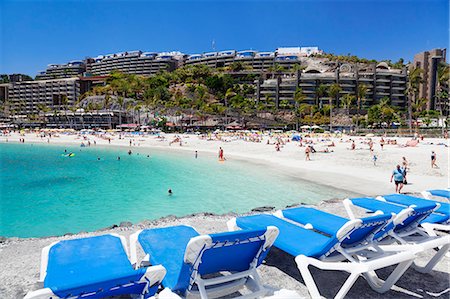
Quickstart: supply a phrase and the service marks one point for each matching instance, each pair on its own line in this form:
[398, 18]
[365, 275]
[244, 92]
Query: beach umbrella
[315, 127]
[305, 127]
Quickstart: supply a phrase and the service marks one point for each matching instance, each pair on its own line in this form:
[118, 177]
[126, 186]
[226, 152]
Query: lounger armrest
[426, 194]
[271, 235]
[403, 215]
[41, 294]
[232, 226]
[155, 274]
[44, 261]
[347, 228]
[133, 250]
[348, 204]
[194, 248]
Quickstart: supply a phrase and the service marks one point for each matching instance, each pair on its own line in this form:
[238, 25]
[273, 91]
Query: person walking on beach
[398, 177]
[404, 170]
[307, 152]
[433, 160]
[221, 158]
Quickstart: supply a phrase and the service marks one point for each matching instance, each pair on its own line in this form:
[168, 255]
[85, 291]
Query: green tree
[414, 81]
[321, 91]
[347, 102]
[333, 91]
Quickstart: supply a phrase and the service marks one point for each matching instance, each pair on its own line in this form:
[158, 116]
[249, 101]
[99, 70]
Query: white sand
[349, 170]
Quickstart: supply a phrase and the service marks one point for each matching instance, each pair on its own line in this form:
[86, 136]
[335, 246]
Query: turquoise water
[44, 194]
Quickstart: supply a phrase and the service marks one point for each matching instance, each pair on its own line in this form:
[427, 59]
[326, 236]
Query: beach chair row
[178, 258]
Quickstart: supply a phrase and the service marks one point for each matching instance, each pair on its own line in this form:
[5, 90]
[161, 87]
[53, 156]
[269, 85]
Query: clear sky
[36, 33]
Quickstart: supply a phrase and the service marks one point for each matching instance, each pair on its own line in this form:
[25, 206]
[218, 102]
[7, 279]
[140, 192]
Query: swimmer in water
[98, 158]
[118, 158]
[129, 152]
[170, 191]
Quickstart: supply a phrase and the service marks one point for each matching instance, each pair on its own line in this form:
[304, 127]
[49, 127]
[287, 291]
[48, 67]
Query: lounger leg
[202, 289]
[307, 277]
[347, 285]
[312, 287]
[381, 286]
[433, 261]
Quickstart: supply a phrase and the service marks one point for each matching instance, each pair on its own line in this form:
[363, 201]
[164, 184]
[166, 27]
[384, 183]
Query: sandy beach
[342, 168]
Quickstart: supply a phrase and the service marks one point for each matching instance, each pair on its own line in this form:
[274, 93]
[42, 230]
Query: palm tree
[347, 101]
[120, 101]
[443, 78]
[321, 91]
[414, 81]
[361, 95]
[333, 91]
[299, 97]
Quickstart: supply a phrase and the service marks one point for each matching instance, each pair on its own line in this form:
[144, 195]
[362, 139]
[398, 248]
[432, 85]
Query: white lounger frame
[218, 286]
[416, 240]
[363, 260]
[153, 274]
[428, 195]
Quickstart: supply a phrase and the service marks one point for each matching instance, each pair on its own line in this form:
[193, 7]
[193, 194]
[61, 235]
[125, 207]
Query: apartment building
[282, 58]
[68, 70]
[134, 62]
[31, 97]
[379, 80]
[429, 61]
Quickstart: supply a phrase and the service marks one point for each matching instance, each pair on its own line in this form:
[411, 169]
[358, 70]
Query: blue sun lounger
[94, 267]
[405, 228]
[347, 247]
[407, 200]
[438, 221]
[444, 193]
[190, 258]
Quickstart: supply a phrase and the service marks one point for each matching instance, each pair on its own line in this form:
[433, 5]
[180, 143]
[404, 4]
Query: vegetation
[4, 78]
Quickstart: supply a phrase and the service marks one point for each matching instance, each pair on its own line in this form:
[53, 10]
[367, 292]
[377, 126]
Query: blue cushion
[440, 193]
[421, 211]
[292, 239]
[166, 247]
[435, 218]
[403, 199]
[322, 221]
[91, 264]
[331, 224]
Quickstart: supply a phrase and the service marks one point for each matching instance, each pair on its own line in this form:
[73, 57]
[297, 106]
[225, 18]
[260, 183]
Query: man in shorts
[398, 177]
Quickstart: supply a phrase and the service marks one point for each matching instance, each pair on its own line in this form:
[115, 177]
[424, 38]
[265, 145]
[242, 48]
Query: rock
[209, 214]
[125, 224]
[263, 209]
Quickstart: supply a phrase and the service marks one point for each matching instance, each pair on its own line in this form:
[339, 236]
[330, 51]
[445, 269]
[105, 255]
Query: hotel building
[429, 61]
[379, 80]
[28, 97]
[134, 62]
[68, 70]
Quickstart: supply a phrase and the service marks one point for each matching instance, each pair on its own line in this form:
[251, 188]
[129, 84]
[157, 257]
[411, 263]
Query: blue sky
[36, 33]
